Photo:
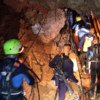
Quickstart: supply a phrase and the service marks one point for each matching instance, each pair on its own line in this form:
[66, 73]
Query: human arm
[28, 77]
[71, 75]
[81, 43]
[85, 30]
[54, 61]
[68, 67]
[21, 73]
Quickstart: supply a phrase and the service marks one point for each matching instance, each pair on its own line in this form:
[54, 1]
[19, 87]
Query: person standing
[93, 55]
[67, 67]
[12, 72]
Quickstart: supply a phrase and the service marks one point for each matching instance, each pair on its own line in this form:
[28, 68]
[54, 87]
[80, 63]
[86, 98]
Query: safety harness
[60, 75]
[6, 87]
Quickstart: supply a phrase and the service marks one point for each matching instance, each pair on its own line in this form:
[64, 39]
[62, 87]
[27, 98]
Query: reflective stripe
[17, 46]
[12, 93]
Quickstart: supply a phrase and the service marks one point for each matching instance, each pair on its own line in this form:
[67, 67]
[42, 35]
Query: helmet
[78, 19]
[12, 46]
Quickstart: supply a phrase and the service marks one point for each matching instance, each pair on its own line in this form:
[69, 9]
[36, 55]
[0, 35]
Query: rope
[37, 61]
[36, 82]
[33, 41]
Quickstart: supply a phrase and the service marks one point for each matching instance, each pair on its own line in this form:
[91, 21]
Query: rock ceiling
[80, 6]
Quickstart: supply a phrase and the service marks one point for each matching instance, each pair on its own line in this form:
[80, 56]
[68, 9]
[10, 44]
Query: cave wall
[16, 20]
[9, 22]
[38, 55]
[81, 6]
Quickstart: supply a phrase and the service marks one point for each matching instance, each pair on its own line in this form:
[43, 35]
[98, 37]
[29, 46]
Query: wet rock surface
[81, 6]
[9, 22]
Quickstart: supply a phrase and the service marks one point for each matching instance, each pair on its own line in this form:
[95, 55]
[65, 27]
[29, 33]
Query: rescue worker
[67, 67]
[94, 56]
[69, 16]
[86, 41]
[12, 72]
[81, 28]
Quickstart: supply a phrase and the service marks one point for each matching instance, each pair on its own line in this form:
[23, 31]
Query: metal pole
[80, 80]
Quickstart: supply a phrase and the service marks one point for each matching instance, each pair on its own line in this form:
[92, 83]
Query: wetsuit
[20, 73]
[66, 67]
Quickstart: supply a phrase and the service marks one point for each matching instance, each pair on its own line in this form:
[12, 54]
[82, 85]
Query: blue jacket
[66, 67]
[18, 75]
[82, 32]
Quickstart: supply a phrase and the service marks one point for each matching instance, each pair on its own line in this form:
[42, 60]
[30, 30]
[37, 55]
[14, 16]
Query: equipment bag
[87, 43]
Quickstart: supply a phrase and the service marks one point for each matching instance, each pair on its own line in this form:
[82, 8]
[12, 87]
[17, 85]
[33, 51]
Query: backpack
[6, 85]
[87, 43]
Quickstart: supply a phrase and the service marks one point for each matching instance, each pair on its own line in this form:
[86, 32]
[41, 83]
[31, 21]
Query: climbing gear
[87, 43]
[58, 67]
[78, 19]
[6, 86]
[12, 46]
[36, 77]
[58, 71]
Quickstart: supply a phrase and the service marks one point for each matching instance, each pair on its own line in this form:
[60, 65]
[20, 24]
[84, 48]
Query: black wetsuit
[20, 72]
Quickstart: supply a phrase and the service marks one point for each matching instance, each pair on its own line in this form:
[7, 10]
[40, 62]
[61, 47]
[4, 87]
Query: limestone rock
[81, 6]
[9, 22]
[52, 25]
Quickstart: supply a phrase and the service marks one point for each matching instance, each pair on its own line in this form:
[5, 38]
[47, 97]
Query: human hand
[79, 50]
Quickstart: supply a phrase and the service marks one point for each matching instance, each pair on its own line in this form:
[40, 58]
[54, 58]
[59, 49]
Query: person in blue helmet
[67, 67]
[12, 72]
